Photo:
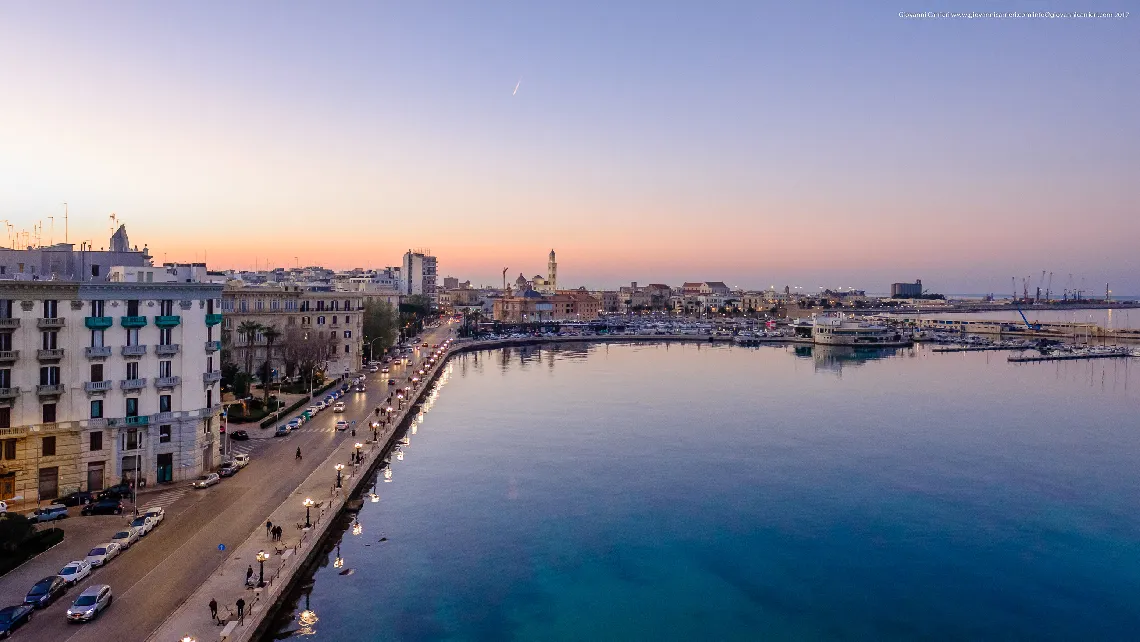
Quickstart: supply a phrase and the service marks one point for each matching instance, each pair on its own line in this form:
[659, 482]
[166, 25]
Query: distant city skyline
[756, 144]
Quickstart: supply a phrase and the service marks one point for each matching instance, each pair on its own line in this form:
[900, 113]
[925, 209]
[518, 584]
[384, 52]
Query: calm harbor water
[1112, 319]
[685, 492]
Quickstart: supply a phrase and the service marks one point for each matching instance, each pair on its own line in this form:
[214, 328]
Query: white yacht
[843, 330]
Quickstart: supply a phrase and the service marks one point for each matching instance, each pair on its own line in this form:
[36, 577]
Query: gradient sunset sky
[758, 143]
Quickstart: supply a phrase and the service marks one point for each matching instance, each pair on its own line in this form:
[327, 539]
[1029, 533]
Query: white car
[373, 369]
[92, 601]
[313, 409]
[241, 460]
[339, 407]
[156, 514]
[143, 524]
[75, 571]
[126, 537]
[103, 553]
[342, 425]
[383, 371]
[205, 481]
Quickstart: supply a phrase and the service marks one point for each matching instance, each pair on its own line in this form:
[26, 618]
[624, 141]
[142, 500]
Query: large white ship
[843, 330]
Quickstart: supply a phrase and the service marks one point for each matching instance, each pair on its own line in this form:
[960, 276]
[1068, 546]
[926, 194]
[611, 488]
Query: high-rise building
[903, 290]
[418, 275]
[106, 380]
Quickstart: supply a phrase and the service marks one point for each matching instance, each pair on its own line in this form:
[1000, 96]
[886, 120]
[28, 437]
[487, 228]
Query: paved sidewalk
[227, 584]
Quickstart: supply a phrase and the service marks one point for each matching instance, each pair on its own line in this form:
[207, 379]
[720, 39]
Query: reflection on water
[834, 358]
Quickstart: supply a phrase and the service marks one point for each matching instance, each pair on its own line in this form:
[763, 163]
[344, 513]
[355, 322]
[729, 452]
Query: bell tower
[552, 273]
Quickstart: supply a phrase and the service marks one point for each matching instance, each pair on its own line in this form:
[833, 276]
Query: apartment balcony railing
[167, 320]
[52, 354]
[9, 393]
[98, 323]
[50, 322]
[167, 382]
[50, 389]
[132, 322]
[97, 386]
[97, 352]
[137, 421]
[213, 346]
[9, 355]
[166, 350]
[132, 384]
[212, 377]
[8, 324]
[163, 416]
[134, 351]
[213, 319]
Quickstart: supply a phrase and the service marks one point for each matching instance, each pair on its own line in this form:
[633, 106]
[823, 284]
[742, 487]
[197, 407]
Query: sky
[759, 143]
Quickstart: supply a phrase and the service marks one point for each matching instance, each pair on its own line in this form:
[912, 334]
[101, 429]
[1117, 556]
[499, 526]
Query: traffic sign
[221, 547]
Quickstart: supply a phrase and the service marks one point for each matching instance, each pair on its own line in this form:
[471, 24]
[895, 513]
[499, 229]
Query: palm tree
[249, 330]
[271, 334]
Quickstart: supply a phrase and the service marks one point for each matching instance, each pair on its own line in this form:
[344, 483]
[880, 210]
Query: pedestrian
[241, 611]
[249, 574]
[213, 609]
[298, 452]
[268, 527]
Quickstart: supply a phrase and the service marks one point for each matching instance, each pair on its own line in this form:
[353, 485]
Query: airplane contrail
[517, 87]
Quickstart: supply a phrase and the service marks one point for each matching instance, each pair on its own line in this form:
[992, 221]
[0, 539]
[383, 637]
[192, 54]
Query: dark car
[228, 469]
[13, 617]
[239, 435]
[103, 507]
[78, 498]
[118, 491]
[45, 591]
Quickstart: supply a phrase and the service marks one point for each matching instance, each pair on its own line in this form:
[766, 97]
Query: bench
[229, 630]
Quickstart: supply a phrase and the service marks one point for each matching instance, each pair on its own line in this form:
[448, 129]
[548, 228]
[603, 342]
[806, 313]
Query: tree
[15, 529]
[381, 324]
[249, 330]
[308, 351]
[271, 334]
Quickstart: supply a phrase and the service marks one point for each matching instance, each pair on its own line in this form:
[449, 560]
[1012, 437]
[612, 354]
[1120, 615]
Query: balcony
[167, 382]
[52, 354]
[137, 421]
[163, 416]
[134, 351]
[132, 384]
[8, 324]
[97, 386]
[166, 350]
[167, 320]
[213, 346]
[213, 319]
[97, 352]
[211, 377]
[50, 389]
[9, 393]
[9, 355]
[49, 323]
[132, 322]
[98, 323]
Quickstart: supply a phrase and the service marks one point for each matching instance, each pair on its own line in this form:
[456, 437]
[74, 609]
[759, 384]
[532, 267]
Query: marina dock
[1067, 357]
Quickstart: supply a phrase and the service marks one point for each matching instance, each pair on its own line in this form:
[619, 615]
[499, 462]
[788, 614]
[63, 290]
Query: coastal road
[156, 575]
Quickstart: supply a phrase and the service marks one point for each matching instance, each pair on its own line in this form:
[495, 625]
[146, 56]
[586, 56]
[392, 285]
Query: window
[133, 308]
[164, 403]
[334, 320]
[132, 370]
[320, 320]
[5, 417]
[347, 304]
[96, 408]
[132, 407]
[51, 308]
[5, 340]
[209, 398]
[332, 333]
[209, 364]
[9, 449]
[164, 368]
[164, 434]
[96, 372]
[348, 334]
[49, 376]
[97, 337]
[49, 413]
[166, 308]
[97, 440]
[5, 377]
[209, 333]
[165, 336]
[346, 348]
[5, 308]
[132, 336]
[48, 447]
[97, 307]
[49, 340]
[95, 272]
[132, 440]
[209, 306]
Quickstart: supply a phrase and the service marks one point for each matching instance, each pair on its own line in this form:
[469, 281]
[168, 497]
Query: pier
[1067, 357]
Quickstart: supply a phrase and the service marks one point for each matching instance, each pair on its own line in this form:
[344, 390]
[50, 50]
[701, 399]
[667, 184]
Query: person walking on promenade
[249, 574]
[298, 453]
[268, 527]
[241, 611]
[213, 609]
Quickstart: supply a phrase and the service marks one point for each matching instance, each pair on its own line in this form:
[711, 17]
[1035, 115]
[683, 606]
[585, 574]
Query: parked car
[103, 507]
[90, 603]
[75, 572]
[339, 407]
[205, 481]
[239, 435]
[295, 423]
[143, 525]
[103, 553]
[228, 469]
[45, 591]
[342, 425]
[156, 514]
[118, 491]
[48, 513]
[126, 537]
[78, 498]
[13, 617]
[241, 460]
[283, 430]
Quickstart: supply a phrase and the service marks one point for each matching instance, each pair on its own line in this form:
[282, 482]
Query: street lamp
[358, 446]
[339, 467]
[261, 557]
[308, 503]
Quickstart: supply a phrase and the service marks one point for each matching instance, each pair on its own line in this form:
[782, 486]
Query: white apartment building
[108, 381]
[417, 276]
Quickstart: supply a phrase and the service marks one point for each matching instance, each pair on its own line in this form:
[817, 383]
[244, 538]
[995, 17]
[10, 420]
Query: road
[153, 577]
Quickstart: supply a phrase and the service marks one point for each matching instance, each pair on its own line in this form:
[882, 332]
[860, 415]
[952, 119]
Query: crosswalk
[164, 499]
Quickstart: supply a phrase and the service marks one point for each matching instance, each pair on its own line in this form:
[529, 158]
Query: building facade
[531, 306]
[904, 290]
[102, 382]
[418, 276]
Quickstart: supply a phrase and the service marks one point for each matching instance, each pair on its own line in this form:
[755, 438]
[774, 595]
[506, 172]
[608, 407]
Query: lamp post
[358, 446]
[339, 467]
[261, 557]
[308, 503]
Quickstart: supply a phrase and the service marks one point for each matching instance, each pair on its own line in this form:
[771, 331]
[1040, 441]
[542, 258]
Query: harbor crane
[505, 279]
[1049, 288]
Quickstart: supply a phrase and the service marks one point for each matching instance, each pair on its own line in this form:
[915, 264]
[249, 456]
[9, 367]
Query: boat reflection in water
[835, 358]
